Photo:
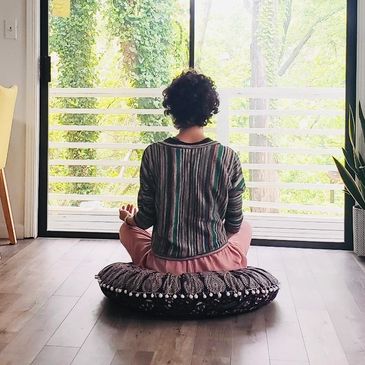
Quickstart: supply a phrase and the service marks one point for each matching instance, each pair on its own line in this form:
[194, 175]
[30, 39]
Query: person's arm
[234, 215]
[146, 215]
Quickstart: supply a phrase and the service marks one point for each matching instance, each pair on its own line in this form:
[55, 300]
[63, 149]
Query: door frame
[351, 82]
[32, 44]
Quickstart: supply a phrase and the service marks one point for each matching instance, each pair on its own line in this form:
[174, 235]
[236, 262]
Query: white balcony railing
[309, 223]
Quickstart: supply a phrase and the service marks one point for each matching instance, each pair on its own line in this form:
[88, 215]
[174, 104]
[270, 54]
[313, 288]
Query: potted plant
[355, 186]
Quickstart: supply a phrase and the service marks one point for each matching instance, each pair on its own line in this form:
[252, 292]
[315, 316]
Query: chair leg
[4, 196]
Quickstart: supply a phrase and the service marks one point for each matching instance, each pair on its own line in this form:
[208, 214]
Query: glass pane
[280, 67]
[108, 58]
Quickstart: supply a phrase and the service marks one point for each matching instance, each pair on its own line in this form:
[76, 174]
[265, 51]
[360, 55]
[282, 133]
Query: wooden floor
[53, 313]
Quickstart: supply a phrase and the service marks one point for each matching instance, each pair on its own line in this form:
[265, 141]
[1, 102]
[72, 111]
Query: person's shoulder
[228, 151]
[151, 147]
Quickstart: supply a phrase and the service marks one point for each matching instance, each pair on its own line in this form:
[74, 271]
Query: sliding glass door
[281, 68]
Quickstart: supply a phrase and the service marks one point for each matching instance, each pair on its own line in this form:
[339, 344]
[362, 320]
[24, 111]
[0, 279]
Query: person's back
[197, 197]
[191, 191]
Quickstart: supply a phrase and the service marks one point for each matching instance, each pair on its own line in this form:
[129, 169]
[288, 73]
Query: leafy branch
[296, 51]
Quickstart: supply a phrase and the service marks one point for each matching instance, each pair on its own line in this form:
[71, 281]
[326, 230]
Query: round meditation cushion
[189, 295]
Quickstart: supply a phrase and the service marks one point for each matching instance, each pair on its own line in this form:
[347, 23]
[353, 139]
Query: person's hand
[127, 211]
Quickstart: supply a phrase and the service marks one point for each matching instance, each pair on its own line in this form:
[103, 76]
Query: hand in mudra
[127, 211]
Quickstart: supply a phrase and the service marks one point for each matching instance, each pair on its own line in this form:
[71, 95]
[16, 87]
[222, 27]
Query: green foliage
[355, 162]
[72, 39]
[153, 45]
[144, 44]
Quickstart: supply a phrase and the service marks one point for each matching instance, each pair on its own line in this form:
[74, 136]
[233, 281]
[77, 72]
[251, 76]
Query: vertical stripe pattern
[191, 195]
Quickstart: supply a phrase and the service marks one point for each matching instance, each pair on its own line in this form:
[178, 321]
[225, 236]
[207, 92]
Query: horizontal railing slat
[117, 128]
[117, 111]
[268, 131]
[140, 146]
[234, 112]
[249, 92]
[260, 184]
[257, 204]
[289, 112]
[246, 166]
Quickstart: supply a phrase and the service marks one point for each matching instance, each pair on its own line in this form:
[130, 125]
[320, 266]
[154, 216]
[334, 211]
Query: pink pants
[231, 257]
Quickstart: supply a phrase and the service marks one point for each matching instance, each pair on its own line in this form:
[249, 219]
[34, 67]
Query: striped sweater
[192, 196]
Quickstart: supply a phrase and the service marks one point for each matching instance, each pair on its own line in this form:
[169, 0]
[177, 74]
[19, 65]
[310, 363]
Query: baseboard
[19, 230]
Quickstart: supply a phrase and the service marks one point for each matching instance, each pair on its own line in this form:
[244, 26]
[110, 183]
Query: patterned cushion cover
[189, 295]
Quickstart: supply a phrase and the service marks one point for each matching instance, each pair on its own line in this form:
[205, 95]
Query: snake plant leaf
[362, 160]
[349, 159]
[360, 173]
[350, 184]
[362, 120]
[352, 129]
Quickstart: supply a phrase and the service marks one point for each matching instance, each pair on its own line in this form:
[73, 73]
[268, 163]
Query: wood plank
[210, 360]
[285, 340]
[7, 251]
[97, 255]
[320, 338]
[356, 358]
[15, 316]
[142, 333]
[305, 294]
[78, 324]
[54, 355]
[278, 362]
[125, 357]
[315, 317]
[104, 340]
[336, 286]
[249, 341]
[35, 334]
[353, 276]
[176, 343]
[214, 338]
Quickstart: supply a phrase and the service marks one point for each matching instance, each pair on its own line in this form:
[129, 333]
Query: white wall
[12, 71]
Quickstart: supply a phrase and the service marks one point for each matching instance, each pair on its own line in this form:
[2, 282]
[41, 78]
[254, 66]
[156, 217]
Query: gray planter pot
[359, 231]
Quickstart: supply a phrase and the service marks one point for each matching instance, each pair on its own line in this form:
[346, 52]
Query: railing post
[223, 118]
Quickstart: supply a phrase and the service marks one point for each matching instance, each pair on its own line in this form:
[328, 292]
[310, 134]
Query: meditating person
[190, 192]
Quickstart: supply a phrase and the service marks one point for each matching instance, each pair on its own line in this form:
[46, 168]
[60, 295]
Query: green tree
[72, 39]
[153, 45]
[271, 57]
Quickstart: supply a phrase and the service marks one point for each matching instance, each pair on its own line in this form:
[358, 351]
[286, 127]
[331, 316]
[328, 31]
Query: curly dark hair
[191, 100]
